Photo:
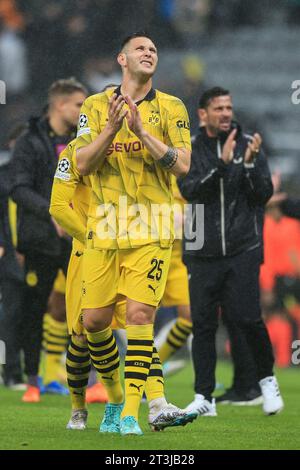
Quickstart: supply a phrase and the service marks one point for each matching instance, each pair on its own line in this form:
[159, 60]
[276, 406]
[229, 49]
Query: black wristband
[169, 159]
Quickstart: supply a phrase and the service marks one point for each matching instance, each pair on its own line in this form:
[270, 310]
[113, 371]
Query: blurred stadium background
[248, 46]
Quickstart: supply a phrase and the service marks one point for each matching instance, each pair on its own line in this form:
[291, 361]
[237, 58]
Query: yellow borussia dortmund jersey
[71, 197]
[131, 202]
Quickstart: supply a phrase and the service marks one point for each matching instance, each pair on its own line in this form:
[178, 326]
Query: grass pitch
[42, 426]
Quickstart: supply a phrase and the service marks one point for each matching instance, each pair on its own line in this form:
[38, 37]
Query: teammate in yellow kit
[130, 140]
[177, 288]
[69, 205]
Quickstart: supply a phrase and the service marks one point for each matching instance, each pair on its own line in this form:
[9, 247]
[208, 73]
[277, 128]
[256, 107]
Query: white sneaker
[272, 400]
[170, 416]
[78, 420]
[17, 387]
[202, 407]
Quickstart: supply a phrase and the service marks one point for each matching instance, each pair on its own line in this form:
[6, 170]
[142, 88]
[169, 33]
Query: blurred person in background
[46, 32]
[237, 13]
[244, 389]
[176, 293]
[290, 207]
[11, 278]
[230, 176]
[44, 244]
[280, 273]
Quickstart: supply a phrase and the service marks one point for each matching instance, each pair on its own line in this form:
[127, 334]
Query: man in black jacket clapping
[230, 177]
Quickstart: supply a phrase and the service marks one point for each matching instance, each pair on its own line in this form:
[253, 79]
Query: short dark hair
[137, 34]
[210, 94]
[65, 86]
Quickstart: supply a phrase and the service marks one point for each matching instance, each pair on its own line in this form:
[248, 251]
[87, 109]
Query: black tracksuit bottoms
[231, 283]
[36, 295]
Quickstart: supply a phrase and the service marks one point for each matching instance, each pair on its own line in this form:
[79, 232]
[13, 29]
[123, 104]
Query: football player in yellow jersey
[130, 140]
[69, 205]
[71, 193]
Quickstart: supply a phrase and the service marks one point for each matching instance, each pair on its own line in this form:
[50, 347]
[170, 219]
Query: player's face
[140, 57]
[70, 108]
[218, 115]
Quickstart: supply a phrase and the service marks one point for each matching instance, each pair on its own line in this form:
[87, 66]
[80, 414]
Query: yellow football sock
[155, 381]
[56, 341]
[78, 368]
[137, 365]
[106, 360]
[176, 338]
[46, 319]
[44, 343]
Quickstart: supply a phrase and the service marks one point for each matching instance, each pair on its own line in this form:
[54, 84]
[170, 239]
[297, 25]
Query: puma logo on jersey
[152, 288]
[135, 386]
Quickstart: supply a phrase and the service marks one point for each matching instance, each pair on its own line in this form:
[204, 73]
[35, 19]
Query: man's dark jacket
[33, 167]
[233, 196]
[9, 266]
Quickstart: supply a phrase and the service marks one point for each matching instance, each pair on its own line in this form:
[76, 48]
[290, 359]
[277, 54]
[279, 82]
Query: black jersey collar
[149, 97]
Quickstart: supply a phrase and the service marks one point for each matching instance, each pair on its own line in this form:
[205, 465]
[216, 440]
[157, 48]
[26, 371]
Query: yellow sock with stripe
[137, 365]
[56, 340]
[46, 319]
[44, 344]
[155, 387]
[106, 360]
[176, 338]
[78, 369]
